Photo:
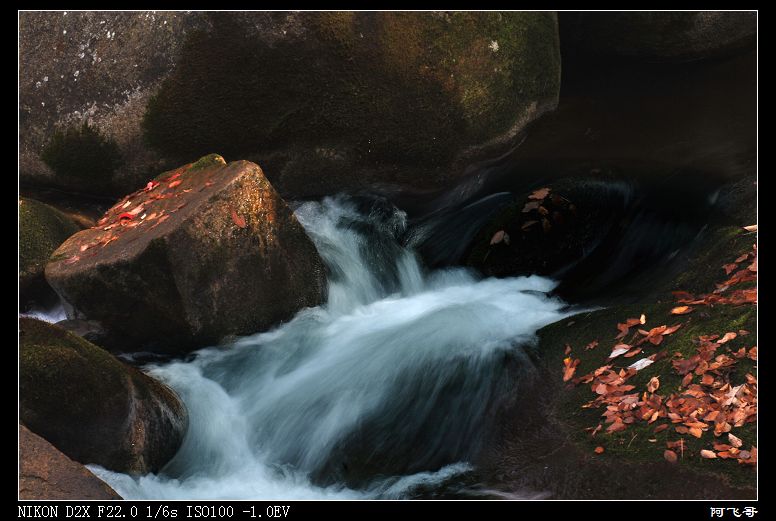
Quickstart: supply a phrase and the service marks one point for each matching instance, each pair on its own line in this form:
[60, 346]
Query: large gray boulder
[326, 101]
[204, 252]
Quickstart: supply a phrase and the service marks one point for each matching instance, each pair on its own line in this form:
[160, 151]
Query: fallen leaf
[617, 426]
[539, 194]
[660, 428]
[670, 456]
[642, 319]
[498, 237]
[695, 431]
[599, 450]
[727, 337]
[734, 440]
[174, 184]
[687, 379]
[633, 352]
[591, 345]
[619, 349]
[681, 310]
[150, 186]
[531, 205]
[240, 221]
[654, 384]
[126, 216]
[751, 228]
[528, 224]
[567, 350]
[641, 364]
[708, 454]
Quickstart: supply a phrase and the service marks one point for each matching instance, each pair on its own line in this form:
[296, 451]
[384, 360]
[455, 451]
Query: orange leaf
[727, 337]
[591, 345]
[708, 454]
[695, 431]
[599, 450]
[539, 194]
[240, 221]
[174, 183]
[735, 440]
[751, 228]
[670, 456]
[654, 384]
[707, 379]
[661, 428]
[686, 380]
[681, 310]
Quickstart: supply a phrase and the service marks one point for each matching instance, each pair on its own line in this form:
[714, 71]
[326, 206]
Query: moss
[207, 161]
[633, 445]
[41, 230]
[82, 153]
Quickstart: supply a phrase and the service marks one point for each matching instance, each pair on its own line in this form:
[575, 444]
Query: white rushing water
[392, 377]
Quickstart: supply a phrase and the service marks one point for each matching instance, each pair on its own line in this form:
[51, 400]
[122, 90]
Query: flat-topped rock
[203, 252]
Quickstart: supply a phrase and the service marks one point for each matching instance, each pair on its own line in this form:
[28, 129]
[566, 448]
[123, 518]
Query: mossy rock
[633, 459]
[93, 407]
[41, 230]
[341, 100]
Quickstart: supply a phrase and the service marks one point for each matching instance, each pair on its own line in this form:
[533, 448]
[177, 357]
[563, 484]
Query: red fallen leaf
[498, 237]
[696, 425]
[531, 205]
[633, 352]
[751, 228]
[528, 224]
[85, 247]
[710, 417]
[591, 345]
[539, 194]
[729, 268]
[707, 379]
[654, 384]
[672, 329]
[721, 446]
[708, 454]
[742, 258]
[599, 450]
[751, 458]
[176, 175]
[750, 379]
[567, 350]
[126, 215]
[617, 426]
[695, 431]
[681, 429]
[660, 428]
[725, 454]
[687, 379]
[240, 221]
[753, 267]
[678, 444]
[682, 295]
[174, 184]
[72, 260]
[670, 456]
[110, 239]
[727, 338]
[150, 186]
[681, 310]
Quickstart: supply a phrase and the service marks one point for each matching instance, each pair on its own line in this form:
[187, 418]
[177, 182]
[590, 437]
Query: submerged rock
[41, 230]
[203, 252]
[46, 473]
[93, 407]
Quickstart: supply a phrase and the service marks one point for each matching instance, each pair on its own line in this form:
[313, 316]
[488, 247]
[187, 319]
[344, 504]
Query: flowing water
[378, 393]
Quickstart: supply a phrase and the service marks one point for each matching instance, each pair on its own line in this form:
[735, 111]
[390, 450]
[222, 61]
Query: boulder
[204, 252]
[326, 101]
[46, 473]
[658, 36]
[41, 230]
[99, 69]
[93, 407]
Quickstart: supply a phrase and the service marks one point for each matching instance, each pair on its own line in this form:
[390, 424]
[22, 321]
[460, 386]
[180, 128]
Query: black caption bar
[294, 510]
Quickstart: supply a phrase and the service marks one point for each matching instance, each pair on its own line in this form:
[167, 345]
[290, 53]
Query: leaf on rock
[238, 219]
[538, 195]
[174, 183]
[681, 310]
[670, 456]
